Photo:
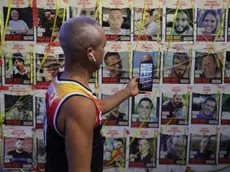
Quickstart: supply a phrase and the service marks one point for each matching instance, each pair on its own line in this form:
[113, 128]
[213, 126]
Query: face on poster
[17, 68]
[173, 149]
[41, 152]
[227, 68]
[208, 68]
[114, 152]
[89, 12]
[145, 110]
[115, 68]
[224, 145]
[116, 23]
[182, 28]
[174, 109]
[48, 70]
[142, 152]
[202, 149]
[205, 108]
[18, 110]
[39, 111]
[148, 26]
[208, 24]
[18, 152]
[177, 67]
[20, 24]
[147, 57]
[118, 116]
[46, 19]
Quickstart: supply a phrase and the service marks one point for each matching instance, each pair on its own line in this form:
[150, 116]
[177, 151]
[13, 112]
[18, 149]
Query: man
[208, 108]
[114, 65]
[73, 117]
[174, 107]
[145, 107]
[144, 155]
[180, 65]
[182, 24]
[20, 71]
[115, 21]
[19, 113]
[19, 155]
[175, 148]
[210, 67]
[116, 115]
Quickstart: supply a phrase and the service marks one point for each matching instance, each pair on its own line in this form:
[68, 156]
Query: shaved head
[77, 35]
[146, 58]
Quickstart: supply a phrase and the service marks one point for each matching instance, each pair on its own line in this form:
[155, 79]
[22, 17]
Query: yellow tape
[159, 25]
[187, 106]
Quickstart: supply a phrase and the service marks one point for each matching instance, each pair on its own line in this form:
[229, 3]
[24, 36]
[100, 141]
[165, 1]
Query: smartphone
[146, 77]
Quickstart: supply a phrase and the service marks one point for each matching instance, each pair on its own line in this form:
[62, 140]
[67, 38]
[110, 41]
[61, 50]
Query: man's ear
[90, 51]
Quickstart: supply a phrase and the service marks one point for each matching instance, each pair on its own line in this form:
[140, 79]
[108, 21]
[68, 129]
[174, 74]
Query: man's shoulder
[12, 152]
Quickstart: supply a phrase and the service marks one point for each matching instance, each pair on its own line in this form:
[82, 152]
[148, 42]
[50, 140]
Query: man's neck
[18, 151]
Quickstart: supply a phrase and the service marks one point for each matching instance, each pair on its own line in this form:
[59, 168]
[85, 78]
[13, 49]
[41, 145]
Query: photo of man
[224, 148]
[17, 68]
[41, 153]
[90, 12]
[19, 110]
[173, 149]
[149, 31]
[39, 111]
[183, 26]
[147, 57]
[144, 111]
[208, 68]
[177, 67]
[116, 23]
[46, 24]
[114, 154]
[202, 149]
[225, 116]
[115, 68]
[118, 116]
[20, 25]
[209, 21]
[174, 108]
[227, 67]
[142, 154]
[204, 109]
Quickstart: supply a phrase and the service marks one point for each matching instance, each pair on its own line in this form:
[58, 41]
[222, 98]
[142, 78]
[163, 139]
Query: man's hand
[132, 87]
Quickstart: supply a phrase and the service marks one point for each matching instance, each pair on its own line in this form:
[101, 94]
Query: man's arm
[79, 126]
[111, 102]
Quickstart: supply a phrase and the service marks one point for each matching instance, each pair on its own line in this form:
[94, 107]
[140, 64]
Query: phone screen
[146, 77]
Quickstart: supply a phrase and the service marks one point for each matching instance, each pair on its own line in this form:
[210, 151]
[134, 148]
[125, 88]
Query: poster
[147, 20]
[179, 26]
[18, 148]
[203, 145]
[40, 149]
[116, 63]
[39, 108]
[119, 116]
[175, 105]
[147, 52]
[177, 64]
[227, 65]
[210, 17]
[225, 109]
[18, 107]
[114, 148]
[224, 149]
[18, 63]
[116, 20]
[173, 145]
[145, 110]
[205, 105]
[208, 63]
[142, 151]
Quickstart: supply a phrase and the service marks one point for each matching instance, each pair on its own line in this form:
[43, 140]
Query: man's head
[182, 22]
[145, 107]
[115, 19]
[177, 100]
[204, 144]
[209, 65]
[175, 146]
[146, 58]
[19, 61]
[49, 16]
[87, 12]
[143, 146]
[180, 63]
[148, 18]
[209, 106]
[19, 144]
[82, 40]
[113, 63]
[14, 15]
[19, 105]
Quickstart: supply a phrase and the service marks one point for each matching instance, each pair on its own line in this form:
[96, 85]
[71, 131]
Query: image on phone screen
[146, 77]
